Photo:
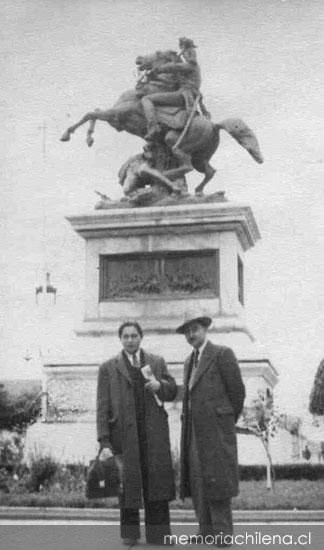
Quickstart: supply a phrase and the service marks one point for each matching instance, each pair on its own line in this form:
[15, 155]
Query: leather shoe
[129, 542]
[223, 544]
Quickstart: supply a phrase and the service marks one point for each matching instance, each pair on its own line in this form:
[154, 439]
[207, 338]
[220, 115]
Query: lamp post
[45, 296]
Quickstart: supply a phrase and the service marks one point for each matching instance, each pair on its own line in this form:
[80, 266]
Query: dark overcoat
[217, 395]
[116, 427]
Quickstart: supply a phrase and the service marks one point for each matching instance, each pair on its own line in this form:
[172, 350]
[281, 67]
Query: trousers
[157, 521]
[157, 517]
[214, 515]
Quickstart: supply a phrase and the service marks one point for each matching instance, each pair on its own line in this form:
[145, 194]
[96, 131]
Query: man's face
[196, 334]
[130, 339]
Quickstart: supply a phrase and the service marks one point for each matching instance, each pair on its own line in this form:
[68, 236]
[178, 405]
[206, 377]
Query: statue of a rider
[186, 72]
[166, 109]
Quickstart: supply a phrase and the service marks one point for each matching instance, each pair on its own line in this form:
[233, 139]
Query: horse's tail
[243, 135]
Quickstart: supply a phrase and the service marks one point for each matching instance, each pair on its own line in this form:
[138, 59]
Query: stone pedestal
[150, 264]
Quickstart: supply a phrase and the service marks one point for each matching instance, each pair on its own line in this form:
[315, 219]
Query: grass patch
[288, 495]
[53, 499]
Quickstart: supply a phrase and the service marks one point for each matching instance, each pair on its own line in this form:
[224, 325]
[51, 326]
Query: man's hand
[105, 453]
[154, 385]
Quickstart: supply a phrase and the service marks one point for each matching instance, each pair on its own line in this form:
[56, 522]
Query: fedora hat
[186, 42]
[194, 316]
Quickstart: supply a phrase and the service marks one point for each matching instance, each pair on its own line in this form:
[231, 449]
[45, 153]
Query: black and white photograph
[162, 274]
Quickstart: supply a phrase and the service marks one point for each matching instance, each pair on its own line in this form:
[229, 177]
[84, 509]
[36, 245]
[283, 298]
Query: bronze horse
[192, 144]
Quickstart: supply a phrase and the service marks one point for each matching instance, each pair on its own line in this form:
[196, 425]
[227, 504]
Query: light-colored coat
[116, 427]
[216, 396]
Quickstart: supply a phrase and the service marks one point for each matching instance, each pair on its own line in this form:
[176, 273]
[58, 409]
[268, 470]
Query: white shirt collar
[131, 357]
[202, 347]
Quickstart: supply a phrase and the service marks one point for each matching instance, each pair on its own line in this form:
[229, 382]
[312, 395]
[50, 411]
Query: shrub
[254, 472]
[42, 471]
[312, 472]
[4, 480]
[18, 411]
[69, 478]
[11, 451]
[5, 408]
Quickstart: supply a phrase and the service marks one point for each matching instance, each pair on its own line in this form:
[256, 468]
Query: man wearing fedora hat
[213, 400]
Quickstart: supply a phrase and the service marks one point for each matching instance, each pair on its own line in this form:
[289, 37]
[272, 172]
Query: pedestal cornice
[177, 219]
[167, 325]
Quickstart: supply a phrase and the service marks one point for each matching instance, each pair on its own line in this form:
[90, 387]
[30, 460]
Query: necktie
[196, 358]
[194, 367]
[135, 361]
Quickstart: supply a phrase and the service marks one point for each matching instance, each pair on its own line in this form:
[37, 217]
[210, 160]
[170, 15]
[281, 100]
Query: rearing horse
[192, 144]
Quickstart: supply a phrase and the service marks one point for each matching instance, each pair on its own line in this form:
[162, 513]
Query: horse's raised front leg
[90, 131]
[92, 115]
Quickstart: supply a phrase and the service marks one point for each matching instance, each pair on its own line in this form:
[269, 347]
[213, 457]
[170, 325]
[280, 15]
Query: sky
[260, 60]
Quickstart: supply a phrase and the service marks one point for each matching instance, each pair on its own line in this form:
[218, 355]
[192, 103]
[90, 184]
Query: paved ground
[178, 515]
[57, 535]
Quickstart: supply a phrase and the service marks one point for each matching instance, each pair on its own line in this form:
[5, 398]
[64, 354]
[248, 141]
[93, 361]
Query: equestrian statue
[166, 109]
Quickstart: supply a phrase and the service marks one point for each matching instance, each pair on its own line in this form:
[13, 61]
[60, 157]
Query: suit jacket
[116, 427]
[216, 401]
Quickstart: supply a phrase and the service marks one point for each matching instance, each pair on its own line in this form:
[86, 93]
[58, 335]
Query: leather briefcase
[103, 479]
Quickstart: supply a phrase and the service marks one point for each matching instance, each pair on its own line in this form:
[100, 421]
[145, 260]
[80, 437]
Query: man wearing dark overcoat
[132, 425]
[213, 400]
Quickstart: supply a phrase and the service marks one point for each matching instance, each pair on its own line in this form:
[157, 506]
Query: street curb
[177, 515]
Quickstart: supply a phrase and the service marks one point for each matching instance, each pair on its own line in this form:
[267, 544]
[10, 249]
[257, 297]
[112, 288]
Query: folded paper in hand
[148, 374]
